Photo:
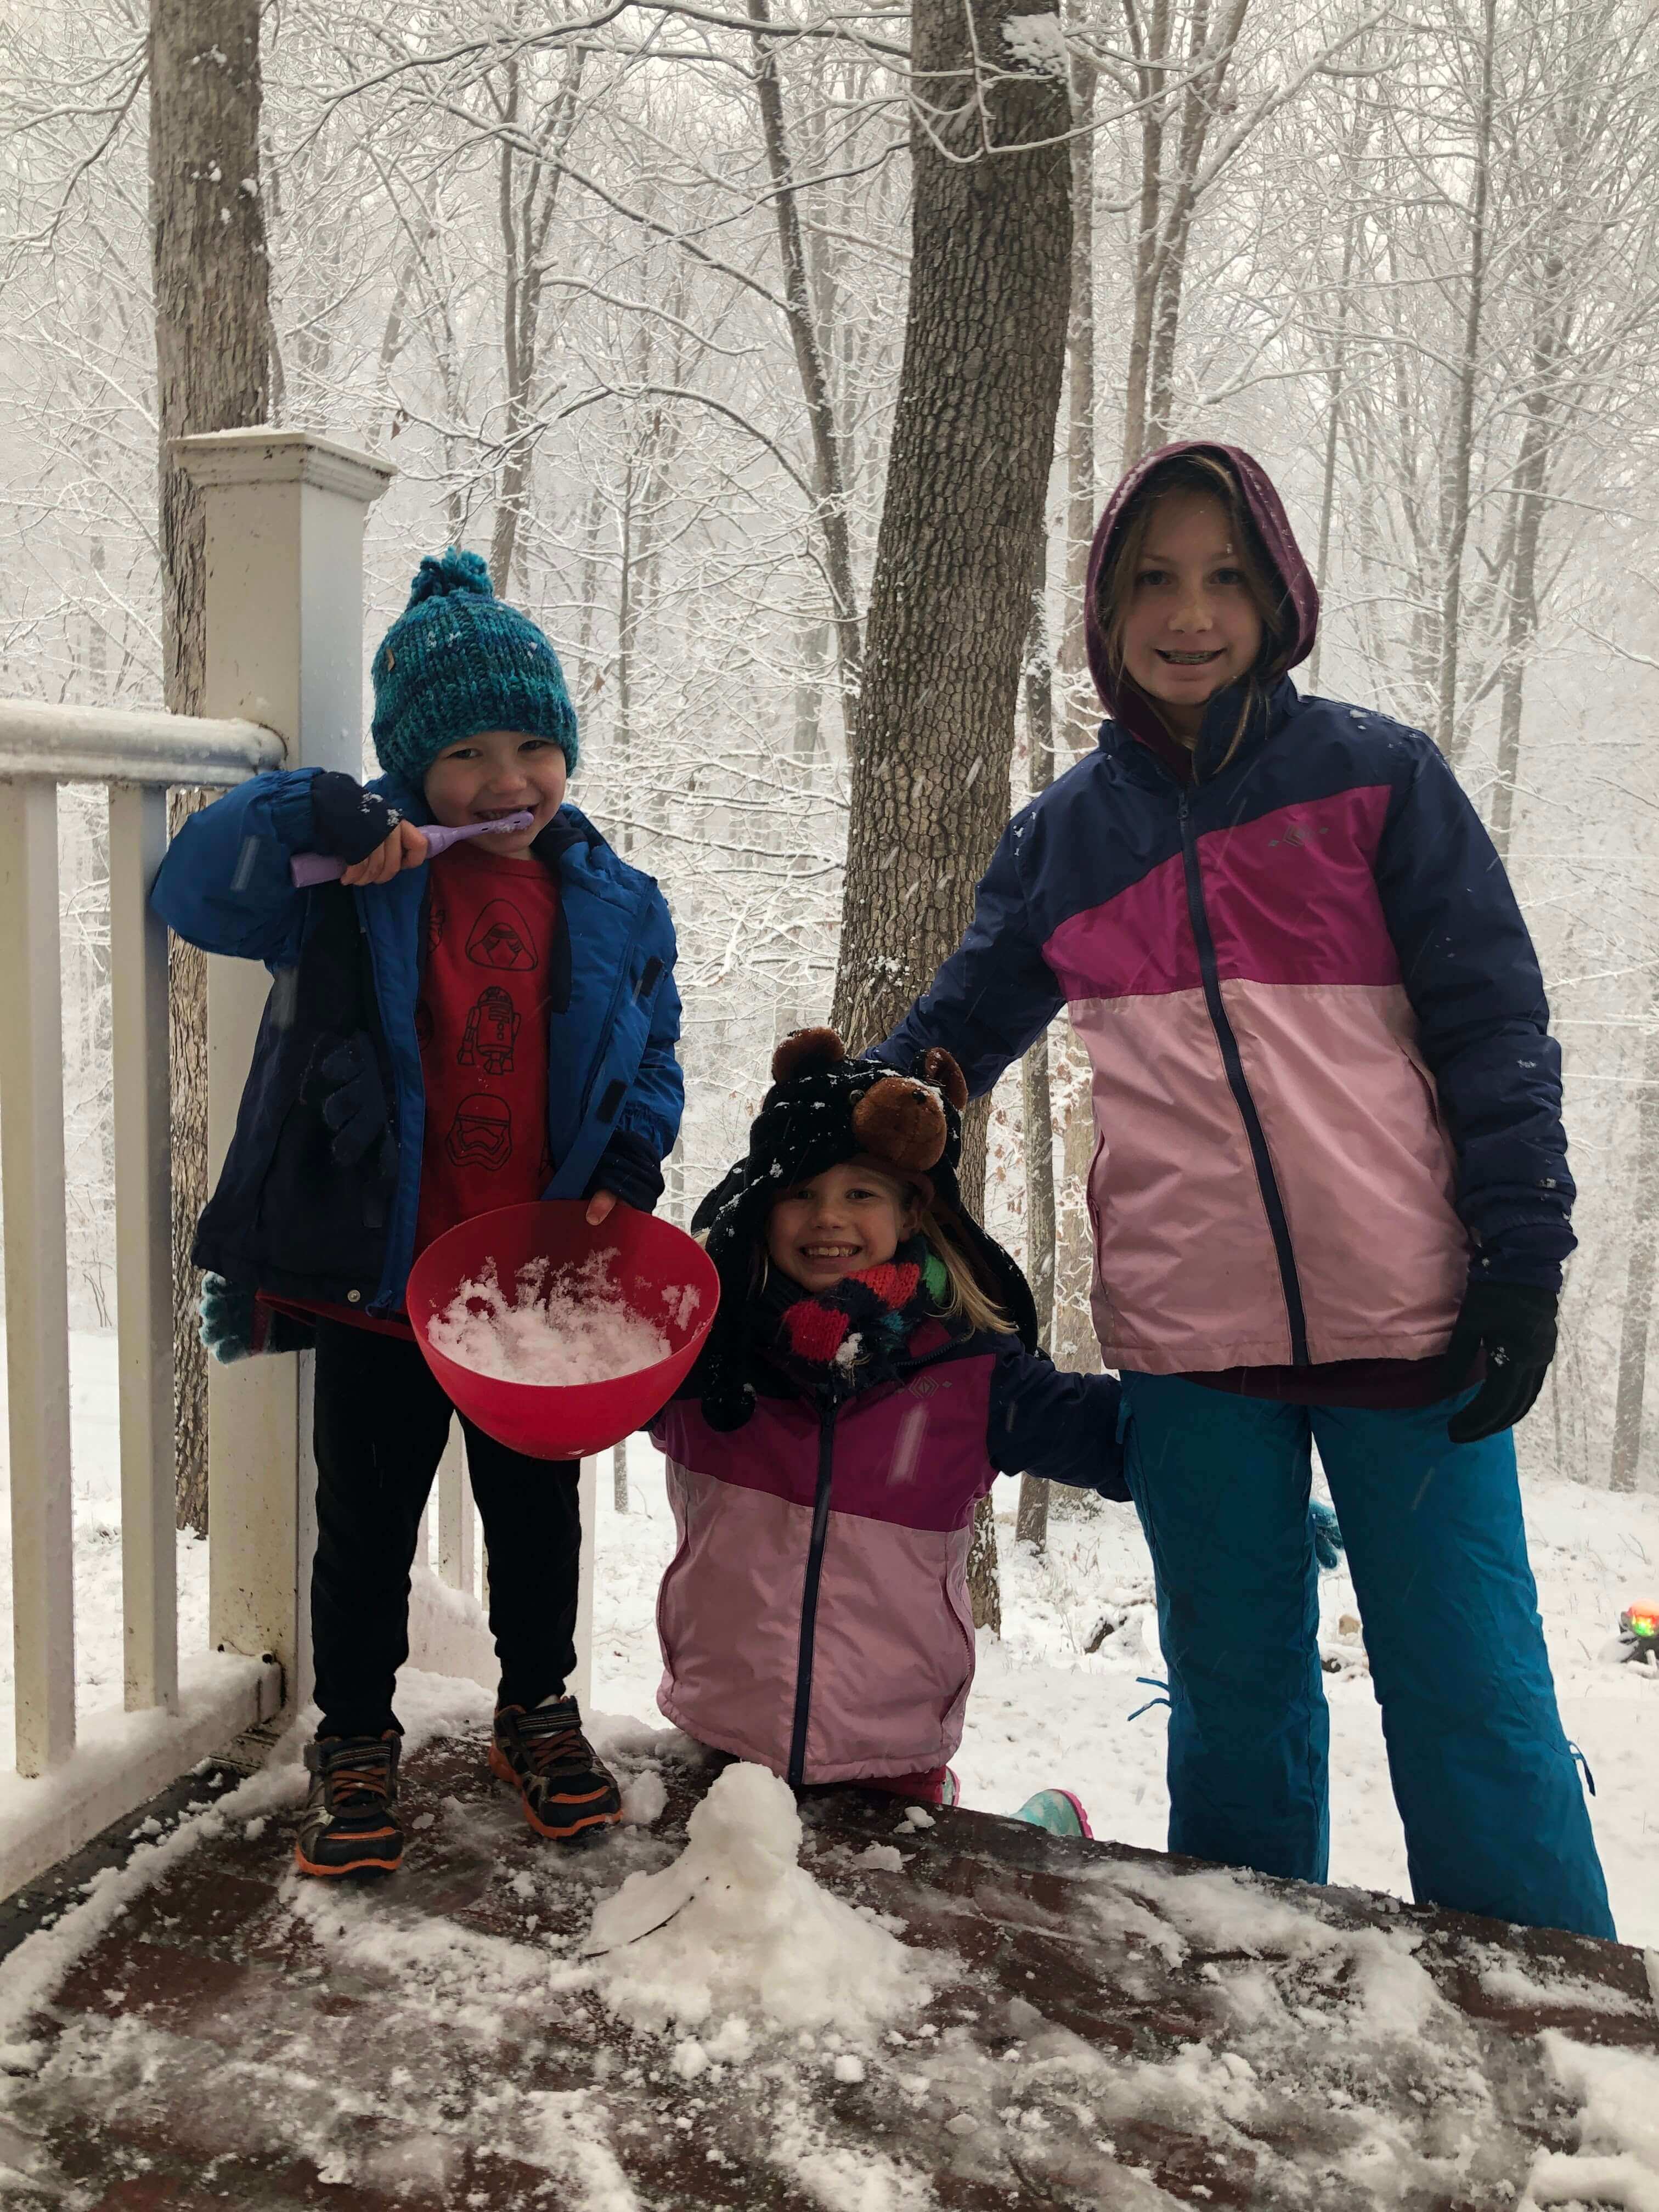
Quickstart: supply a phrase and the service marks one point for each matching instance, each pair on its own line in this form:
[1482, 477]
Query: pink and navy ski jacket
[1323, 1082]
[814, 1616]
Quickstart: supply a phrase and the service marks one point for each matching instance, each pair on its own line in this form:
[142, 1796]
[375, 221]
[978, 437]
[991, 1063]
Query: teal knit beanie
[456, 661]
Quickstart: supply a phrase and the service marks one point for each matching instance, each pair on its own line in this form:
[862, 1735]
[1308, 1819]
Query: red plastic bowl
[655, 1263]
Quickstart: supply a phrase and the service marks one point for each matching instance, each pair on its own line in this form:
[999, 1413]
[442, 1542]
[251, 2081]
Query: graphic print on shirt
[500, 938]
[491, 1027]
[485, 1038]
[481, 1132]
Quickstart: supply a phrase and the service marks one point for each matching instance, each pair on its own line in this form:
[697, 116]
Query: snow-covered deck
[1107, 2027]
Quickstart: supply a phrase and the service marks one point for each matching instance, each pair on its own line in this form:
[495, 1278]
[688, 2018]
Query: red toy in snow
[1638, 1632]
[663, 1275]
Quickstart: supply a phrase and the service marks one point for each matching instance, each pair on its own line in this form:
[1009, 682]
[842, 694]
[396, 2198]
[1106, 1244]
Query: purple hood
[1130, 706]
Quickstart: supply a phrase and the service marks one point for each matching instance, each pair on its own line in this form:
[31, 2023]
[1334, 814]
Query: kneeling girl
[874, 1368]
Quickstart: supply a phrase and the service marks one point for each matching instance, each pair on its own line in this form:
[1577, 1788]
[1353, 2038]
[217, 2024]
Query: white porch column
[37, 1294]
[285, 515]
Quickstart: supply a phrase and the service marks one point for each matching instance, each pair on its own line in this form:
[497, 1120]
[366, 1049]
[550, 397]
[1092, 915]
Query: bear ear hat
[940, 1069]
[901, 1121]
[807, 1052]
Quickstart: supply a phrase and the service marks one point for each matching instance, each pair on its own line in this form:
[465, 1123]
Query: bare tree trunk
[1638, 1278]
[1461, 466]
[949, 607]
[1356, 135]
[213, 353]
[1031, 1521]
[1078, 706]
[524, 215]
[829, 472]
[1150, 50]
[588, 676]
[1531, 475]
[1206, 65]
[627, 620]
[619, 1477]
[1070, 1333]
[967, 478]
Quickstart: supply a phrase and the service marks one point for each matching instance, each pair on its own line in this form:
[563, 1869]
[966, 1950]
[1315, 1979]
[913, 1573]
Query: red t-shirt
[482, 1019]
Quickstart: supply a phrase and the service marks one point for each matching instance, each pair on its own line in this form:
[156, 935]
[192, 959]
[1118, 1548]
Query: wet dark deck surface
[1108, 2028]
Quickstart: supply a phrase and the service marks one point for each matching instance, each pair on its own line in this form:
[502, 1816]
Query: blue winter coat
[318, 1196]
[1324, 1084]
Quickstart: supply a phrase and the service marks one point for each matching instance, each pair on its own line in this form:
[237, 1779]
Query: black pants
[381, 1425]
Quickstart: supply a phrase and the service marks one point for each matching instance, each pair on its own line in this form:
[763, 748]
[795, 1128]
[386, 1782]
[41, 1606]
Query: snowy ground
[1043, 1710]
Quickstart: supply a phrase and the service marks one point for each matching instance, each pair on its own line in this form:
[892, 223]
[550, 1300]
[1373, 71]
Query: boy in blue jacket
[443, 1037]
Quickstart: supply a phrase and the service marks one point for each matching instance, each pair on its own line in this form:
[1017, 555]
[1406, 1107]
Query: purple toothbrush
[308, 868]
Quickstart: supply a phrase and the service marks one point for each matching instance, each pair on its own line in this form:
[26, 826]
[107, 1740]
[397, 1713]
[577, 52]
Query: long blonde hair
[968, 1300]
[1114, 586]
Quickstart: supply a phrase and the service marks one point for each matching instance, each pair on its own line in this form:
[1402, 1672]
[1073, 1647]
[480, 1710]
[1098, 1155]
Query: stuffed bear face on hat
[824, 1107]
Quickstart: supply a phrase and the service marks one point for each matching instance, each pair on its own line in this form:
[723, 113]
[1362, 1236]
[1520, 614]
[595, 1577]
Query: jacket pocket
[1090, 1192]
[960, 1616]
[1431, 1090]
[673, 1573]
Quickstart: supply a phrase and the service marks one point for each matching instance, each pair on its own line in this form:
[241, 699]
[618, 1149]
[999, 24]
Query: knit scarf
[837, 1341]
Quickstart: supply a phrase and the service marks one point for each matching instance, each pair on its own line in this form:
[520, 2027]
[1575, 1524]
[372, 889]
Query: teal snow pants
[1486, 1786]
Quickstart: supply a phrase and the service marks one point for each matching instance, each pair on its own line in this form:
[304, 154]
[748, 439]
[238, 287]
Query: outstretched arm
[1046, 1421]
[995, 994]
[1473, 978]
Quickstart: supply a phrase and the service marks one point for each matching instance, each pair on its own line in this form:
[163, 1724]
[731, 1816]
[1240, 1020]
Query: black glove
[1515, 1324]
[629, 1167]
[346, 821]
[354, 1104]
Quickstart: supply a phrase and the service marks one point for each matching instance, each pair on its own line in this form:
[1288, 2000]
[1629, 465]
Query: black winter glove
[629, 1166]
[354, 1104]
[348, 822]
[1515, 1324]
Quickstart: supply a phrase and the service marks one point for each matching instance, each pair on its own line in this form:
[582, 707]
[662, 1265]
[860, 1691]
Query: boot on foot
[563, 1784]
[1058, 1811]
[350, 1824]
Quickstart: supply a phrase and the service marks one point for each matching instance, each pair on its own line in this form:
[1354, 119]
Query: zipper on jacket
[809, 1602]
[1272, 1203]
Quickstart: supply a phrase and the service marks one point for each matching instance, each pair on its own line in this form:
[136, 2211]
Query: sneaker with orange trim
[350, 1824]
[563, 1784]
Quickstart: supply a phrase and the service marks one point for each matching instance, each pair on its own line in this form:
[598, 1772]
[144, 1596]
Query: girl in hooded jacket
[1330, 1195]
[872, 1368]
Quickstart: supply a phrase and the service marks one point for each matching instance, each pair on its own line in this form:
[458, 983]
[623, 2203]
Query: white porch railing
[69, 1796]
[284, 516]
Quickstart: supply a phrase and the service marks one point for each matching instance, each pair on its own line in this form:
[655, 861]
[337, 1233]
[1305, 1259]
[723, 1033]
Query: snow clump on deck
[566, 1326]
[751, 1931]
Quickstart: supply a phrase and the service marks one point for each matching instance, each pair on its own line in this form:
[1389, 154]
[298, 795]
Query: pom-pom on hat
[458, 660]
[825, 1107]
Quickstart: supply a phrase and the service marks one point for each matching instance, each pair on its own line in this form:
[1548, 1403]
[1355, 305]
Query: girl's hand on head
[404, 848]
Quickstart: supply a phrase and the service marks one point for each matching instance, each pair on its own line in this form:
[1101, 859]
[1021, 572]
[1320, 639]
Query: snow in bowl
[557, 1339]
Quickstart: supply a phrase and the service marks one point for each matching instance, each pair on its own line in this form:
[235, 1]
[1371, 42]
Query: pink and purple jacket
[815, 1615]
[1323, 1082]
